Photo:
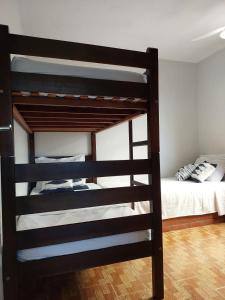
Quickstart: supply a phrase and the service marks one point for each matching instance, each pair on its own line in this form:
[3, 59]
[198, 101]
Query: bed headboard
[88, 157]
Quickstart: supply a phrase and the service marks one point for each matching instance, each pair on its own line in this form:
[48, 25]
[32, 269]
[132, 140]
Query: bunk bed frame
[38, 113]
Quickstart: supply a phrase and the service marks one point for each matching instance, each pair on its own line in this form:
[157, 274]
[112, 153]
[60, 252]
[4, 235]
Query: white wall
[112, 144]
[21, 154]
[211, 104]
[178, 122]
[178, 115]
[9, 15]
[66, 143]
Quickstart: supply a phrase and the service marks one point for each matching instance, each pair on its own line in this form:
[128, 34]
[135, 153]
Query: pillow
[203, 171]
[44, 159]
[185, 172]
[57, 185]
[218, 159]
[80, 187]
[217, 175]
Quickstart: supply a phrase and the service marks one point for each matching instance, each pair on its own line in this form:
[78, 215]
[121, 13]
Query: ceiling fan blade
[209, 34]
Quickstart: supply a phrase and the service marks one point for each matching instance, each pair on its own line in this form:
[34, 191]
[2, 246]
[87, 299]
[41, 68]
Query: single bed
[188, 198]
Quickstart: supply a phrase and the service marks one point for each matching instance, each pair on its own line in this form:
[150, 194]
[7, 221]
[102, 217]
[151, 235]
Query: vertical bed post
[93, 152]
[31, 148]
[153, 154]
[131, 156]
[31, 154]
[9, 263]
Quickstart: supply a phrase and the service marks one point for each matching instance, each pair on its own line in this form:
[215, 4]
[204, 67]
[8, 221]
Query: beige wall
[66, 143]
[211, 104]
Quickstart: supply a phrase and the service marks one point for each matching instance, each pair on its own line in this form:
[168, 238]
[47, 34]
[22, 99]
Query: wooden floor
[194, 261]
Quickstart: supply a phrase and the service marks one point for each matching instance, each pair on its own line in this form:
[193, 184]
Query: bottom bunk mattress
[42, 220]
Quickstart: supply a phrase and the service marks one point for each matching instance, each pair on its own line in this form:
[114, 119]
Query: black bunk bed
[41, 109]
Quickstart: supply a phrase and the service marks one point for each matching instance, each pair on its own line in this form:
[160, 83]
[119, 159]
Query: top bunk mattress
[27, 65]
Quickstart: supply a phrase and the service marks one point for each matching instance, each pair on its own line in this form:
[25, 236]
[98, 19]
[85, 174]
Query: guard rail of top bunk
[12, 173]
[70, 85]
[100, 114]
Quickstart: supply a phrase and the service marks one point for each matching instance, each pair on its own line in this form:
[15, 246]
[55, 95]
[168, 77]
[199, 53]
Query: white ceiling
[169, 25]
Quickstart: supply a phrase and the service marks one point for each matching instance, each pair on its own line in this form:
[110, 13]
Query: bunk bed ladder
[9, 265]
[133, 144]
[154, 159]
[152, 144]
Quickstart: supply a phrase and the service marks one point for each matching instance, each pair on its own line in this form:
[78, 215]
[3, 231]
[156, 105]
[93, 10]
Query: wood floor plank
[194, 261]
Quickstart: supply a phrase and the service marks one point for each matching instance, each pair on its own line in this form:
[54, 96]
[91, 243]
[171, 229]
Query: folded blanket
[80, 187]
[65, 189]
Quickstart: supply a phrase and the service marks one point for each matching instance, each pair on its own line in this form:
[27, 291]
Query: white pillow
[43, 159]
[218, 159]
[185, 172]
[203, 171]
[217, 175]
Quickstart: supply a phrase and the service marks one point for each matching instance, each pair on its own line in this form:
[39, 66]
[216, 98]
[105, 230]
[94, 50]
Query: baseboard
[191, 221]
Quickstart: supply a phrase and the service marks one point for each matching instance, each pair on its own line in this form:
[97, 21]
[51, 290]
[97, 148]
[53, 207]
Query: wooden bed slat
[88, 259]
[65, 129]
[22, 100]
[19, 118]
[69, 120]
[75, 232]
[67, 125]
[125, 119]
[50, 171]
[59, 84]
[90, 198]
[73, 110]
[96, 126]
[68, 116]
[34, 46]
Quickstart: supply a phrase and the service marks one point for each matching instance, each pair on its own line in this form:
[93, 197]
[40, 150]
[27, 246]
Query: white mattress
[48, 219]
[22, 64]
[188, 198]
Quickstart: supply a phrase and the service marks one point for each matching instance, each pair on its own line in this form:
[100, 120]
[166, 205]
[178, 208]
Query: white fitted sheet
[49, 219]
[187, 198]
[82, 246]
[22, 64]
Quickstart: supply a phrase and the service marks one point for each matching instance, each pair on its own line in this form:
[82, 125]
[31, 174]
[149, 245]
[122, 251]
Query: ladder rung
[138, 183]
[140, 143]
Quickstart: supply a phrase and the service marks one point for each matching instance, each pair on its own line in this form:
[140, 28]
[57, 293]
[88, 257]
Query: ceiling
[169, 25]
